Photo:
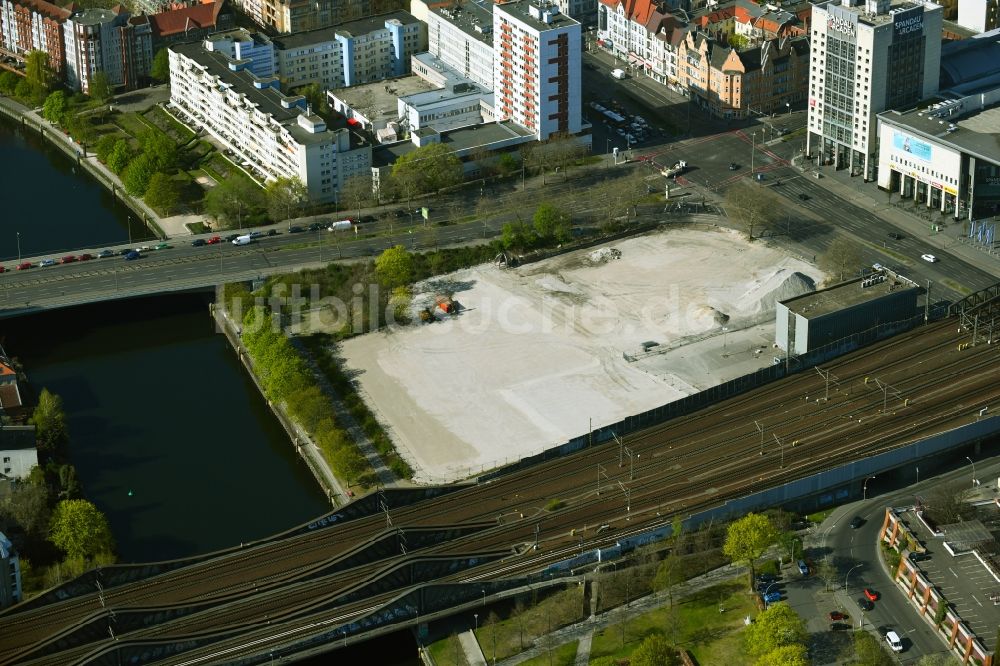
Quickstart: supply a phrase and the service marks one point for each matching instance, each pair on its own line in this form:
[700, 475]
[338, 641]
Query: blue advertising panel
[908, 144]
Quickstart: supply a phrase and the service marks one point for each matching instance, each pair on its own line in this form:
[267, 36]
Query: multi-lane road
[283, 591]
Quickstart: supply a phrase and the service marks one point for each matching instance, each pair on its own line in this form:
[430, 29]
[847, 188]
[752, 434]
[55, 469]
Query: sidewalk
[869, 197]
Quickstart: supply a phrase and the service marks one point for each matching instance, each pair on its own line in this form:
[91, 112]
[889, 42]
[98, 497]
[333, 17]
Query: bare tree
[948, 503]
[827, 572]
[842, 258]
[751, 205]
[357, 192]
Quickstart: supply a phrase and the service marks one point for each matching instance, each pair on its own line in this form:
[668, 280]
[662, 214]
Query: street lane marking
[973, 598]
[953, 572]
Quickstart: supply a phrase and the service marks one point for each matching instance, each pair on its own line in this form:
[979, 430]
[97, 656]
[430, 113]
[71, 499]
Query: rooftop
[464, 138]
[843, 295]
[378, 100]
[530, 11]
[93, 16]
[977, 135]
[867, 18]
[351, 29]
[177, 21]
[473, 18]
[268, 100]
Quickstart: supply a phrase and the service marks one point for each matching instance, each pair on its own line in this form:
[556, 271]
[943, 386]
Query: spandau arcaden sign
[908, 22]
[844, 24]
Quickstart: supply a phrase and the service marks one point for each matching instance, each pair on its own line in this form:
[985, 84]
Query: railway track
[689, 463]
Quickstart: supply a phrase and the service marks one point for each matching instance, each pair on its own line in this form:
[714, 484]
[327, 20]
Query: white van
[892, 638]
[242, 240]
[618, 73]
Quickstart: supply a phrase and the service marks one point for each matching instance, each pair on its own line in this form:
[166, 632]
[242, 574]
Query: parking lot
[963, 580]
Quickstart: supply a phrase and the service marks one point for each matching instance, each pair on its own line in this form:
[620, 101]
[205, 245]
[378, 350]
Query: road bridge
[312, 589]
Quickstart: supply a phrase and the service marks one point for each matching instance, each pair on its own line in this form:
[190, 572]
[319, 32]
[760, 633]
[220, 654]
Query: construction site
[502, 363]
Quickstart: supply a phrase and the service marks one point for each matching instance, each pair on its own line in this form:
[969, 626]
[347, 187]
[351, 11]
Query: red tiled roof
[46, 8]
[178, 20]
[10, 397]
[637, 10]
[6, 370]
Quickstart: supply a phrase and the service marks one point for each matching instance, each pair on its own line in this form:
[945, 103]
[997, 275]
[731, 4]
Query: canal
[170, 438]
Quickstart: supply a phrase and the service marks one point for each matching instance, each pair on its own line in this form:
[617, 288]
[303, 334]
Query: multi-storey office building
[461, 36]
[866, 59]
[352, 53]
[979, 15]
[273, 134]
[537, 67]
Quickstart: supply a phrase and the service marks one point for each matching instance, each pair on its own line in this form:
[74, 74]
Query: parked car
[104, 254]
[198, 242]
[772, 597]
[162, 246]
[231, 237]
[85, 257]
[766, 578]
[733, 166]
[47, 262]
[68, 259]
[144, 248]
[125, 250]
[295, 229]
[839, 626]
[24, 265]
[857, 521]
[272, 232]
[803, 567]
[213, 240]
[930, 258]
[803, 196]
[242, 240]
[837, 615]
[870, 594]
[892, 638]
[917, 557]
[256, 234]
[864, 604]
[132, 255]
[317, 226]
[2, 269]
[895, 236]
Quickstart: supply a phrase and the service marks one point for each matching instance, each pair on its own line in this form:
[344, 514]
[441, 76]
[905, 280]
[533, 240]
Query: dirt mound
[604, 254]
[780, 285]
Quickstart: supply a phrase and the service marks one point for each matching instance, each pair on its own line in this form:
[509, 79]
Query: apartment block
[884, 54]
[461, 36]
[255, 49]
[10, 573]
[352, 53]
[537, 68]
[273, 134]
[731, 83]
[643, 35]
[109, 41]
[34, 25]
[287, 16]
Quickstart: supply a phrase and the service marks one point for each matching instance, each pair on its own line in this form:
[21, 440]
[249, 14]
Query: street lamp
[973, 469]
[725, 329]
[129, 229]
[864, 489]
[18, 247]
[753, 148]
[849, 575]
[476, 616]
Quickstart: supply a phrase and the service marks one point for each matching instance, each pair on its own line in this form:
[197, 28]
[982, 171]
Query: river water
[157, 403]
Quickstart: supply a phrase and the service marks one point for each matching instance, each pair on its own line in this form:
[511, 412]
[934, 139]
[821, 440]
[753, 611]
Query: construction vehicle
[677, 169]
[447, 305]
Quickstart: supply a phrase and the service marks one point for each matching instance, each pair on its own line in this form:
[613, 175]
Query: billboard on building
[912, 145]
[842, 21]
[906, 22]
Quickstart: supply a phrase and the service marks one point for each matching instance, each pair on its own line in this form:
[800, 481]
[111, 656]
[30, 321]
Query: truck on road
[677, 169]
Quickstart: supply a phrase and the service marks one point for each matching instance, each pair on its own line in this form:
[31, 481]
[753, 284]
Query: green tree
[162, 193]
[669, 574]
[748, 538]
[161, 149]
[515, 236]
[49, 419]
[159, 70]
[8, 82]
[654, 651]
[38, 75]
[507, 164]
[938, 660]
[394, 267]
[868, 651]
[776, 627]
[137, 174]
[105, 145]
[285, 198]
[786, 655]
[552, 223]
[55, 106]
[120, 156]
[751, 205]
[80, 128]
[80, 530]
[28, 506]
[232, 199]
[100, 88]
[429, 168]
[315, 96]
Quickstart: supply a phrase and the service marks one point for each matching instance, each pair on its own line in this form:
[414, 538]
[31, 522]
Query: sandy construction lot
[536, 352]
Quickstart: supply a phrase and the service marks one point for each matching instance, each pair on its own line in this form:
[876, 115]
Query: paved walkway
[344, 418]
[473, 651]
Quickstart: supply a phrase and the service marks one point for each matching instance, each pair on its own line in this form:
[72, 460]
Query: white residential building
[537, 68]
[274, 135]
[454, 101]
[18, 452]
[461, 36]
[979, 15]
[241, 44]
[641, 34]
[10, 573]
[371, 49]
[865, 59]
[109, 41]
